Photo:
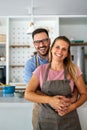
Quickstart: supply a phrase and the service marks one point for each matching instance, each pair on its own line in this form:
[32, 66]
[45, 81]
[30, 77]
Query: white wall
[20, 7]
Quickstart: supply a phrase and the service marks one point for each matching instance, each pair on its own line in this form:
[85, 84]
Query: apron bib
[48, 118]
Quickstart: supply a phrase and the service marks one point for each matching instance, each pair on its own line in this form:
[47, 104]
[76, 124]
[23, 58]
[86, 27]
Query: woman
[57, 80]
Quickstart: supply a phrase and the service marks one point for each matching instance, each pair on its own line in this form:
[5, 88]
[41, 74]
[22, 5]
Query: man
[41, 43]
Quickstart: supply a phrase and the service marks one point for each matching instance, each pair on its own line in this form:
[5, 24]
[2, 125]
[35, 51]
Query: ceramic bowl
[8, 89]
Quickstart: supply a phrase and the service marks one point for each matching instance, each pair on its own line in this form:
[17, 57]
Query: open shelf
[79, 44]
[16, 45]
[13, 66]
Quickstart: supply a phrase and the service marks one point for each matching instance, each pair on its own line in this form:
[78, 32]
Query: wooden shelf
[13, 66]
[79, 44]
[2, 43]
[20, 45]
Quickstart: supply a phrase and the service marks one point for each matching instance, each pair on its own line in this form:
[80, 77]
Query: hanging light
[31, 23]
[30, 28]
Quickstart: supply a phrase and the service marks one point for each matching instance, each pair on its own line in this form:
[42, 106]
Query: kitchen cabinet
[15, 114]
[19, 45]
[82, 110]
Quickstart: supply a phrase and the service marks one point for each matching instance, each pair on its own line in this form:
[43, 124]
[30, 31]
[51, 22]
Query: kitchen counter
[12, 101]
[16, 114]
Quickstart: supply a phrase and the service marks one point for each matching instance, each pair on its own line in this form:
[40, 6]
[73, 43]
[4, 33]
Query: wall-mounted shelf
[16, 45]
[13, 66]
[79, 44]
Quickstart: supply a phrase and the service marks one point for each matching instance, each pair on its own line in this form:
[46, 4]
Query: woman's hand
[60, 103]
[70, 108]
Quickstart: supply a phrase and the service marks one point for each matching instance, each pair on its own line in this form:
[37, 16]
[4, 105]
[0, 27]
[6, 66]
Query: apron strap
[46, 75]
[65, 73]
[37, 61]
[47, 70]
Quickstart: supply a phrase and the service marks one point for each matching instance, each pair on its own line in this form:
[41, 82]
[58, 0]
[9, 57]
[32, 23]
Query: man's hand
[74, 96]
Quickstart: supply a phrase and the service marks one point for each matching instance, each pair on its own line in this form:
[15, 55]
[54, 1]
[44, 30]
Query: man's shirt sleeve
[28, 70]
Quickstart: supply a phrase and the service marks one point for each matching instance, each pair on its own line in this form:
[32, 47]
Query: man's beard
[47, 52]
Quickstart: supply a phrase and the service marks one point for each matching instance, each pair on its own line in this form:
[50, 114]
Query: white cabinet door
[82, 111]
[15, 117]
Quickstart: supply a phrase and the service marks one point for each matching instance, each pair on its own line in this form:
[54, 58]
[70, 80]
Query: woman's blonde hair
[70, 67]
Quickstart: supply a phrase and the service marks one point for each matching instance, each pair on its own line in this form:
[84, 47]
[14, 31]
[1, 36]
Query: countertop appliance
[3, 74]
